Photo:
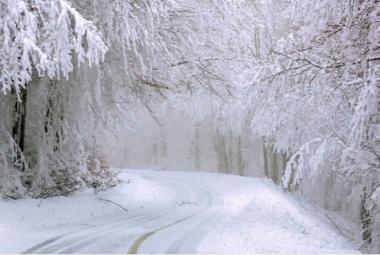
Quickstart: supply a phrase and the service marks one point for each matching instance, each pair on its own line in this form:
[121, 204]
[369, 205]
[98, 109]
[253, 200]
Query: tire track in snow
[189, 241]
[136, 245]
[181, 196]
[128, 232]
[51, 245]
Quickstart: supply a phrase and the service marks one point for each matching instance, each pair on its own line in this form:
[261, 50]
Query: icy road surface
[170, 212]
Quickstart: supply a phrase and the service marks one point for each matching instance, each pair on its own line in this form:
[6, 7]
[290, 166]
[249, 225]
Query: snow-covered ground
[170, 212]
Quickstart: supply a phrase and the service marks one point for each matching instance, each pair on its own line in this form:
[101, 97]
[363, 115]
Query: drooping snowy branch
[44, 36]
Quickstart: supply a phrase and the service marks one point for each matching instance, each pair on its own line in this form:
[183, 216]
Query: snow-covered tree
[317, 100]
[161, 48]
[38, 39]
[42, 37]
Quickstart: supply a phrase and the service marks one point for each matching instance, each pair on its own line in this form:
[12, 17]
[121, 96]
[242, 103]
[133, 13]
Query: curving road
[179, 212]
[177, 227]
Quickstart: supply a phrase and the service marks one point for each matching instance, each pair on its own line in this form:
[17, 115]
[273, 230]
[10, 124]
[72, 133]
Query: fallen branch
[9, 196]
[112, 202]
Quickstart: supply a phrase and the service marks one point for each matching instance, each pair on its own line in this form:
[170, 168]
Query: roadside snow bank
[41, 219]
[273, 222]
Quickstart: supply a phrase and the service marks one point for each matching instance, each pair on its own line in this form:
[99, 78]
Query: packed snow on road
[171, 212]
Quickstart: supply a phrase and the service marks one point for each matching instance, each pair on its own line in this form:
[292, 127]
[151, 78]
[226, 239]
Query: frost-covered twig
[112, 202]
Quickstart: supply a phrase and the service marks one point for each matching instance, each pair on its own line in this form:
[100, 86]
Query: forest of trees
[288, 89]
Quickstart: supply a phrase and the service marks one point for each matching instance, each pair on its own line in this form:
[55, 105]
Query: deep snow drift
[170, 212]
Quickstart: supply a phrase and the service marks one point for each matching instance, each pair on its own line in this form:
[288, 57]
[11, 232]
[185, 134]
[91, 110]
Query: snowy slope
[24, 223]
[274, 222]
[170, 212]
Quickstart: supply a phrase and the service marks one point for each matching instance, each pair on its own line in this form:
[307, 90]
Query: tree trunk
[18, 129]
[265, 154]
[365, 218]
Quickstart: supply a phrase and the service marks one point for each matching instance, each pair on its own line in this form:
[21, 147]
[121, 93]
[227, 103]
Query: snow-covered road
[170, 212]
